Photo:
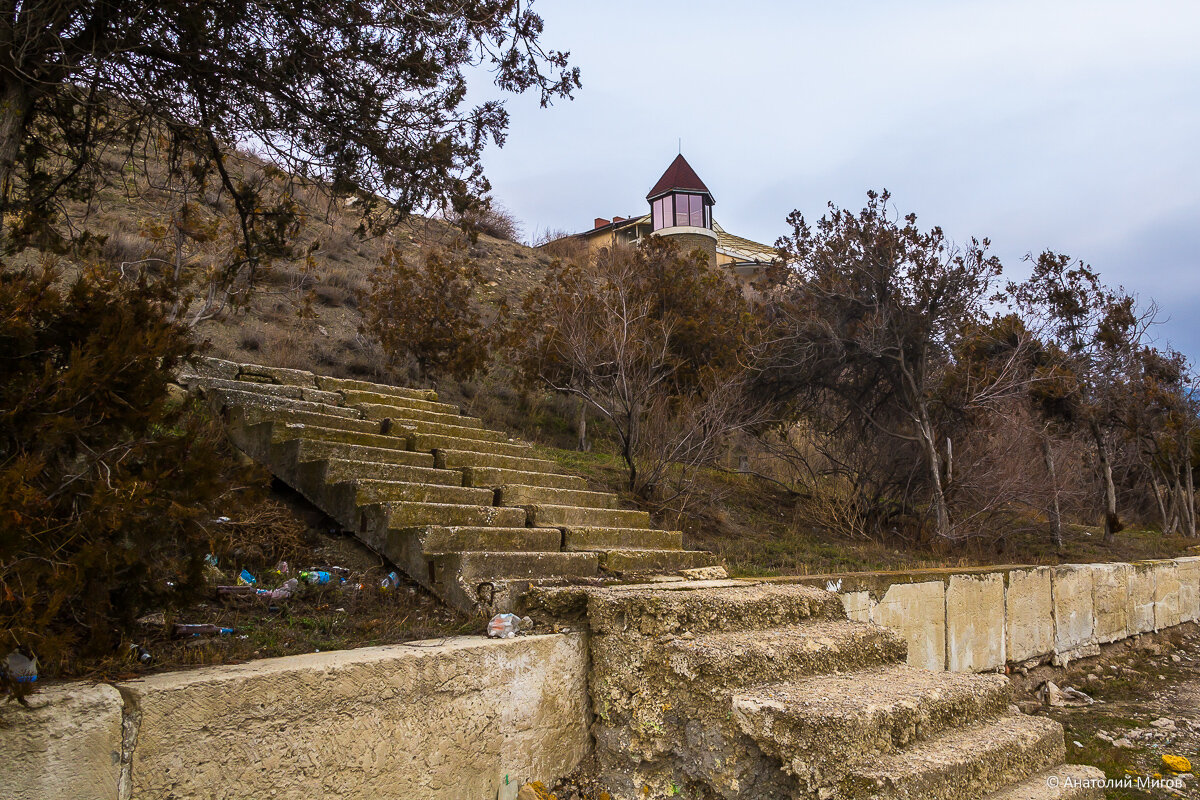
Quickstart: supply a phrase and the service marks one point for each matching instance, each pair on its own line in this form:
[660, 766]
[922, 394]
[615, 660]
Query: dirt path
[1147, 705]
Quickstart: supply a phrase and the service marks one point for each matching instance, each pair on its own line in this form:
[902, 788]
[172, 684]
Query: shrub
[108, 482]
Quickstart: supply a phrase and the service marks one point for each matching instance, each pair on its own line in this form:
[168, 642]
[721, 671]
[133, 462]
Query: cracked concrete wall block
[1110, 599]
[917, 611]
[1074, 613]
[975, 622]
[1141, 597]
[445, 720]
[1166, 594]
[1189, 588]
[67, 744]
[1029, 614]
[857, 605]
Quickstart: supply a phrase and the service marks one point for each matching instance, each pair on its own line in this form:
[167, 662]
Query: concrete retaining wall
[445, 720]
[981, 619]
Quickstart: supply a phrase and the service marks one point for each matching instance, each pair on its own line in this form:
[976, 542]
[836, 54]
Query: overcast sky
[1073, 126]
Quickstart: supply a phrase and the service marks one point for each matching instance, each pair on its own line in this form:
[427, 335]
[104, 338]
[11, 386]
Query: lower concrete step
[350, 385]
[379, 517]
[658, 609]
[646, 560]
[358, 396]
[405, 415]
[336, 470]
[491, 582]
[307, 449]
[1068, 782]
[969, 762]
[422, 442]
[342, 500]
[436, 540]
[819, 726]
[449, 458]
[542, 515]
[621, 539]
[732, 660]
[523, 495]
[498, 476]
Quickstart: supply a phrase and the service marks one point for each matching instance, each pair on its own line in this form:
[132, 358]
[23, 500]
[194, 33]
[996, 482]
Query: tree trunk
[1158, 497]
[941, 513]
[1053, 511]
[1112, 522]
[16, 104]
[584, 445]
[1189, 496]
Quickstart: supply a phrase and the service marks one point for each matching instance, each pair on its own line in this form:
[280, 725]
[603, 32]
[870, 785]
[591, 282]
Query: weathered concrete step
[336, 470]
[437, 539]
[491, 581]
[648, 560]
[350, 385]
[239, 397]
[261, 373]
[379, 517]
[542, 515]
[521, 495]
[263, 389]
[729, 660]
[365, 491]
[454, 459]
[358, 397]
[969, 762]
[479, 438]
[819, 726]
[705, 606]
[252, 413]
[308, 449]
[283, 431]
[425, 442]
[588, 538]
[373, 411]
[498, 476]
[1067, 782]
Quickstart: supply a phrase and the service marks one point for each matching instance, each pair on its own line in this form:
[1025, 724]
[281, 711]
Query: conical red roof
[679, 177]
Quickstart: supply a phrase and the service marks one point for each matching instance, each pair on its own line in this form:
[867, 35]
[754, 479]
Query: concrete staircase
[736, 689]
[474, 516]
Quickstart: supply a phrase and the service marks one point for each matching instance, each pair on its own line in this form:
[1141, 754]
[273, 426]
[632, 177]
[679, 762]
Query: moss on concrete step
[313, 419]
[454, 459]
[704, 606]
[356, 397]
[259, 373]
[522, 495]
[1068, 782]
[374, 411]
[968, 762]
[349, 385]
[551, 516]
[498, 476]
[379, 491]
[633, 562]
[380, 517]
[283, 431]
[591, 538]
[819, 726]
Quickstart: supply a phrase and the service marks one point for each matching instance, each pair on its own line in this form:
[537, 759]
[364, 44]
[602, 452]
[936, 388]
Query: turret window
[681, 210]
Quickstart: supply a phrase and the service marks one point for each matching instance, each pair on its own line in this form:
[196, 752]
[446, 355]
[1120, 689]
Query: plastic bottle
[390, 583]
[317, 576]
[140, 653]
[289, 588]
[506, 626]
[20, 667]
[201, 630]
[246, 579]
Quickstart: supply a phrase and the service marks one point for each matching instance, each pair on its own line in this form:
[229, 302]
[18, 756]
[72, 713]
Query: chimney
[618, 219]
[600, 223]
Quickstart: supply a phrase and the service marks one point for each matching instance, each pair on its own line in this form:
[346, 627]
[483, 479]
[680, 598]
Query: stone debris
[1050, 694]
